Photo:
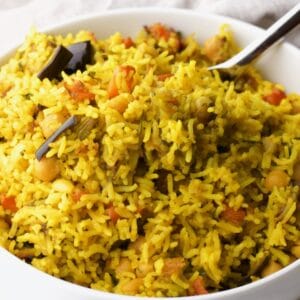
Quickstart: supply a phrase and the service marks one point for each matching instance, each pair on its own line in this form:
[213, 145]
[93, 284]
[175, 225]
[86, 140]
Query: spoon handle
[285, 24]
[274, 33]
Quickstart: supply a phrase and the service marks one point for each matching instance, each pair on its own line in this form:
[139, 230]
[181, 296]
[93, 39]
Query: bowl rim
[138, 10]
[85, 291]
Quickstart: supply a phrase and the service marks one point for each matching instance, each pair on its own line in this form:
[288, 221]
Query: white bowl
[281, 64]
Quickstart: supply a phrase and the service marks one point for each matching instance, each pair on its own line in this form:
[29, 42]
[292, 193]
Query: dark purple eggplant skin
[57, 63]
[82, 55]
[44, 148]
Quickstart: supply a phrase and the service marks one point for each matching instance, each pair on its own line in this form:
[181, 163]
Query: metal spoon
[286, 23]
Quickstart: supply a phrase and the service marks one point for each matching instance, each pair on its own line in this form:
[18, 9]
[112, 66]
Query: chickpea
[276, 178]
[51, 122]
[271, 268]
[214, 49]
[173, 266]
[46, 169]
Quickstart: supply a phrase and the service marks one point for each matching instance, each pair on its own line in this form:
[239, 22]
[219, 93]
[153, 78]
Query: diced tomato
[275, 96]
[169, 35]
[163, 77]
[128, 72]
[114, 216]
[9, 203]
[112, 88]
[79, 92]
[160, 31]
[197, 287]
[128, 42]
[233, 216]
[122, 80]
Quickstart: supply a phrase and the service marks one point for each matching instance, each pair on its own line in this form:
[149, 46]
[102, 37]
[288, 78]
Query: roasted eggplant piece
[44, 148]
[82, 55]
[57, 63]
[74, 57]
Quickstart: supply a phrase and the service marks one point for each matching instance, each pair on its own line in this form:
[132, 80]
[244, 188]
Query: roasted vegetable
[79, 92]
[52, 121]
[56, 64]
[82, 55]
[45, 146]
[276, 178]
[74, 57]
[84, 127]
[121, 81]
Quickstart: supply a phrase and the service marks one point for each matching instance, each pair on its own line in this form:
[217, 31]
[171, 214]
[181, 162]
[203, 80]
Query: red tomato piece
[275, 96]
[9, 203]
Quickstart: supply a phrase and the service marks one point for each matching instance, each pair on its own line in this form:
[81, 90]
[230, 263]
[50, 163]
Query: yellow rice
[183, 161]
